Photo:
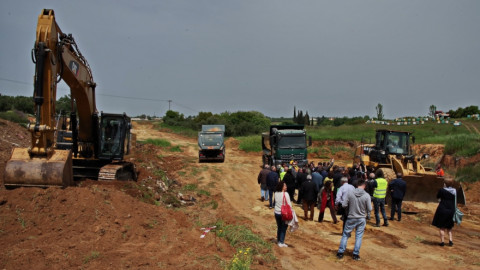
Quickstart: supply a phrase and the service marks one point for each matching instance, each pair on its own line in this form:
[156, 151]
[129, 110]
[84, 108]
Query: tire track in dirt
[409, 244]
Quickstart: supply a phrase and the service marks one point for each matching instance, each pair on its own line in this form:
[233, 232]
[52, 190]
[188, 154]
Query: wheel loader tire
[388, 174]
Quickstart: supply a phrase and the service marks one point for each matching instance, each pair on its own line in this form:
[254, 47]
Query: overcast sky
[332, 58]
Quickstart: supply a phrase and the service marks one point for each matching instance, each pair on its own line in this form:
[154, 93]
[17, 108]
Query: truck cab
[211, 143]
[285, 143]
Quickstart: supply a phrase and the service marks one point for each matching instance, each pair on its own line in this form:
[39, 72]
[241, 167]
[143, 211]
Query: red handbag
[286, 210]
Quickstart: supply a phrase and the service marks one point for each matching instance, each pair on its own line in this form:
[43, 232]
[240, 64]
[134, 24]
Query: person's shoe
[262, 199]
[356, 257]
[392, 218]
[339, 255]
[385, 224]
[442, 244]
[311, 219]
[282, 245]
[450, 243]
[399, 219]
[376, 225]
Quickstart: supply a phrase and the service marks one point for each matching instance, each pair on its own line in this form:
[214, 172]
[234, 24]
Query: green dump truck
[210, 141]
[285, 143]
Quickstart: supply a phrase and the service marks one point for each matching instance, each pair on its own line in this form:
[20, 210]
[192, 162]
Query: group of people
[348, 192]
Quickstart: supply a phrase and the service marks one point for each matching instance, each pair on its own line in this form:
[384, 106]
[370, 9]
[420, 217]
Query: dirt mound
[11, 135]
[98, 227]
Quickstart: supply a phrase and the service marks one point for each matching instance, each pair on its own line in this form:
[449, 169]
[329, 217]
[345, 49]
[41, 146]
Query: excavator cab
[114, 136]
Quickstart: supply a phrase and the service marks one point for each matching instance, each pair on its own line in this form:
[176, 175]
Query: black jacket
[272, 180]
[289, 179]
[309, 191]
[397, 188]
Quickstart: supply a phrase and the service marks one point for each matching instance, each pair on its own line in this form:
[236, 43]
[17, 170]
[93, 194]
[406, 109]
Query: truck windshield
[292, 142]
[211, 139]
[397, 143]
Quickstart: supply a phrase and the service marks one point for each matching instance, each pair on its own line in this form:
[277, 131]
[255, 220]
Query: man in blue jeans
[379, 194]
[358, 203]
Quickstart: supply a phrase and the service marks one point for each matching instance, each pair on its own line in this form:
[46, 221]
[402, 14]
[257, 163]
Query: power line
[118, 96]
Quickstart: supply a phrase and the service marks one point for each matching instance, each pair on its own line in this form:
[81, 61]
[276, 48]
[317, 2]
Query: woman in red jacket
[326, 199]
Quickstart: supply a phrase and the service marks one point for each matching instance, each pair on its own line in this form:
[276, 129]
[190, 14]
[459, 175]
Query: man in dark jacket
[309, 193]
[370, 186]
[272, 181]
[397, 188]
[262, 181]
[299, 180]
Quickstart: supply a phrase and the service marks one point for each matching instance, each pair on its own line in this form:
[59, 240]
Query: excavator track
[123, 171]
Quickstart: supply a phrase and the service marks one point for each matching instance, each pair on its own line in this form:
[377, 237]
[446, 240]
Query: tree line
[236, 124]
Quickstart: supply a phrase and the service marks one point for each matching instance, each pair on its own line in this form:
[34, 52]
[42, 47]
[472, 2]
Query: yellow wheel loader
[89, 149]
[392, 154]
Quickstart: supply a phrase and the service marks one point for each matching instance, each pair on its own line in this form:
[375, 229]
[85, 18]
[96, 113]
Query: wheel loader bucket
[22, 170]
[424, 188]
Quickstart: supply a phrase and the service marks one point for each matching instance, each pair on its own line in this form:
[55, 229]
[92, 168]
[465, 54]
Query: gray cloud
[326, 57]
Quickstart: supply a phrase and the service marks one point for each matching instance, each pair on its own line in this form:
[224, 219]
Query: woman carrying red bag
[280, 194]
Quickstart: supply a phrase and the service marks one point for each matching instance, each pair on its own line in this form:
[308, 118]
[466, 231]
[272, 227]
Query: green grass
[250, 143]
[175, 148]
[470, 173]
[93, 255]
[243, 239]
[190, 187]
[465, 145]
[157, 142]
[14, 116]
[178, 130]
[428, 133]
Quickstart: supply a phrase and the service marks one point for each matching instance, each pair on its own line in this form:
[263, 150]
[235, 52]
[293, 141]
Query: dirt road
[102, 225]
[409, 244]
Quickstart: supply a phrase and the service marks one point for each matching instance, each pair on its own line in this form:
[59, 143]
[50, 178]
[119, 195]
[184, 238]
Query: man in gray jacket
[358, 203]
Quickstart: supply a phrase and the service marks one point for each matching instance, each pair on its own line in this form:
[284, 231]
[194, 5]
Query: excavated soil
[120, 225]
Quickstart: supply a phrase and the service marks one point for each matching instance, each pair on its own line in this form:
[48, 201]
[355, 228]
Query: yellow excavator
[392, 154]
[94, 147]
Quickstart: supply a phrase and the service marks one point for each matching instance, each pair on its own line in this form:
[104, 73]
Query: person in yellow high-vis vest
[379, 194]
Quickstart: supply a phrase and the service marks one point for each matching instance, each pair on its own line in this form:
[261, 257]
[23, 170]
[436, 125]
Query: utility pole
[169, 101]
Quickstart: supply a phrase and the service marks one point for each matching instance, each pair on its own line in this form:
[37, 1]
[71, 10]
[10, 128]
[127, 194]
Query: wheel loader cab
[393, 142]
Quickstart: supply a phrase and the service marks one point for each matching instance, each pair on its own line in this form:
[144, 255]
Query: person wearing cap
[262, 181]
[309, 193]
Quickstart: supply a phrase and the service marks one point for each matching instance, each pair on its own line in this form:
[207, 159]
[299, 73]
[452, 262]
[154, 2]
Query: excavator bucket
[424, 188]
[22, 170]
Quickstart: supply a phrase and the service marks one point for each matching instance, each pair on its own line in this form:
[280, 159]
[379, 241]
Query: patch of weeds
[175, 148]
[182, 173]
[211, 184]
[241, 260]
[218, 170]
[157, 142]
[212, 203]
[203, 192]
[190, 187]
[194, 171]
[458, 259]
[170, 199]
[92, 256]
[418, 238]
[20, 219]
[418, 218]
[107, 202]
[244, 240]
[151, 224]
